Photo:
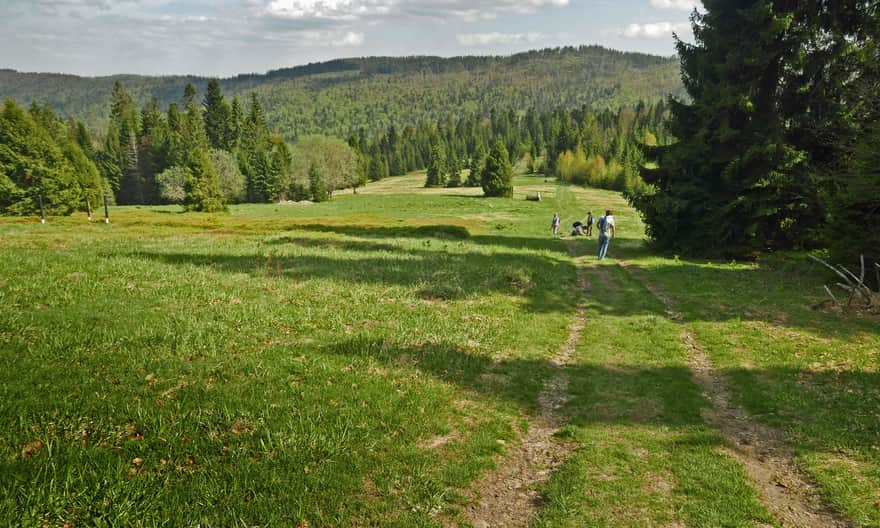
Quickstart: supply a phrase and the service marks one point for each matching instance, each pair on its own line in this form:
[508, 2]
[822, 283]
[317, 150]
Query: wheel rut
[789, 494]
[508, 495]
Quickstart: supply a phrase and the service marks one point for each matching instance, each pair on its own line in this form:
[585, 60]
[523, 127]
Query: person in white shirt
[606, 233]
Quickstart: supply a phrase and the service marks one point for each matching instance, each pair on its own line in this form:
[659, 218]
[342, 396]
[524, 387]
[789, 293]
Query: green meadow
[364, 361]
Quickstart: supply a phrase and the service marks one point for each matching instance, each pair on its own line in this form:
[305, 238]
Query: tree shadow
[439, 274]
[823, 419]
[442, 232]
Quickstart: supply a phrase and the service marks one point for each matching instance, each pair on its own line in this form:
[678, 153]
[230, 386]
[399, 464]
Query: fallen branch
[854, 285]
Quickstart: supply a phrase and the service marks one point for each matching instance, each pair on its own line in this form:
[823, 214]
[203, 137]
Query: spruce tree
[855, 209]
[478, 161]
[436, 167]
[453, 172]
[202, 186]
[317, 189]
[732, 185]
[497, 175]
[236, 118]
[217, 115]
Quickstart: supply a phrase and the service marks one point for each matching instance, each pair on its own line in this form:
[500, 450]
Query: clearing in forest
[386, 358]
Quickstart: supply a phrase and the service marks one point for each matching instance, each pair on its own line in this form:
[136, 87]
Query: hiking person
[606, 233]
[555, 224]
[577, 228]
[590, 221]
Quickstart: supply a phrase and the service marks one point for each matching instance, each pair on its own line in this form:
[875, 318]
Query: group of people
[604, 226]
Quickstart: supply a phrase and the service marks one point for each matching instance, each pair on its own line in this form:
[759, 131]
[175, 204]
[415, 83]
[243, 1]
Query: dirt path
[508, 496]
[789, 494]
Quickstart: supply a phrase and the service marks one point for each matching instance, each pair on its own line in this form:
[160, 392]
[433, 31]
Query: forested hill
[340, 96]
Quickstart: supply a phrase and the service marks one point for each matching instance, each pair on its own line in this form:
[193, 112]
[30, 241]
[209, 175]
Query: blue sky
[226, 37]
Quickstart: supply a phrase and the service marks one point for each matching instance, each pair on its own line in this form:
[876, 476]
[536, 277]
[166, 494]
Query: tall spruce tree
[497, 176]
[217, 114]
[202, 186]
[436, 175]
[732, 185]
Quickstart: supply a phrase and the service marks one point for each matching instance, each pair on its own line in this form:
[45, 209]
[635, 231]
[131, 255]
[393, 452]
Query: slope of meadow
[365, 361]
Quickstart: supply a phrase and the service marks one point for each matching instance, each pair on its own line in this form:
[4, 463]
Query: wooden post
[42, 210]
[89, 208]
[106, 210]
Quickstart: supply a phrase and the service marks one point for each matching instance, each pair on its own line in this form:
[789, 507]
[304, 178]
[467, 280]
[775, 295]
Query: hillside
[340, 96]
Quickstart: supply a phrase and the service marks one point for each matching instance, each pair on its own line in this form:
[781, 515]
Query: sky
[222, 38]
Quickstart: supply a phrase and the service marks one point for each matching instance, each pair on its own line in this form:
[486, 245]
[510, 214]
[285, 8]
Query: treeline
[45, 162]
[582, 146]
[338, 98]
[209, 151]
[214, 152]
[777, 145]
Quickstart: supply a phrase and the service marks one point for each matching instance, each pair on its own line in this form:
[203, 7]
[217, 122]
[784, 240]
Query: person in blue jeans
[606, 233]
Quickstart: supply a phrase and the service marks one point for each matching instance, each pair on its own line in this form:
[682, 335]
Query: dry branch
[854, 285]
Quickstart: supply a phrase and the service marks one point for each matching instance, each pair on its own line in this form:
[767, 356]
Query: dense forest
[338, 98]
[213, 151]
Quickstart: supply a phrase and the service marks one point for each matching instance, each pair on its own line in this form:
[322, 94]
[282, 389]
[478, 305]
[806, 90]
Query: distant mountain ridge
[339, 96]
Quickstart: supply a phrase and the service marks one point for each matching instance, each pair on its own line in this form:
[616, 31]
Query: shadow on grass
[437, 274]
[540, 270]
[835, 412]
[443, 232]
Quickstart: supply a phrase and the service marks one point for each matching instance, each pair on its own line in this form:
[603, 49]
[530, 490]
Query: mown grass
[361, 362]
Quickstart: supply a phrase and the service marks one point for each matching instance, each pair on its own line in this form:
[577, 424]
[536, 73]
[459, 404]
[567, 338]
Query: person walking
[590, 221]
[555, 224]
[606, 233]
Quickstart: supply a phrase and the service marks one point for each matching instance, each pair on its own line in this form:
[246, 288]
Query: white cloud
[685, 5]
[349, 39]
[495, 38]
[654, 30]
[441, 9]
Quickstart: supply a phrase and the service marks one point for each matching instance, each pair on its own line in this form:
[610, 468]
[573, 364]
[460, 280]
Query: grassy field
[363, 362]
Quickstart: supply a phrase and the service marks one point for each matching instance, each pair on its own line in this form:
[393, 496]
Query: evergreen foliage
[202, 186]
[338, 98]
[855, 210]
[497, 175]
[436, 174]
[40, 158]
[317, 189]
[746, 174]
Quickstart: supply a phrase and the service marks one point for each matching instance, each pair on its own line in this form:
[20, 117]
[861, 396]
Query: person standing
[590, 221]
[606, 233]
[555, 224]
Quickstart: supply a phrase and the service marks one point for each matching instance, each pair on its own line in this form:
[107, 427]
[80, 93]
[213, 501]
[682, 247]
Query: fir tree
[497, 175]
[217, 117]
[732, 185]
[436, 176]
[317, 189]
[202, 186]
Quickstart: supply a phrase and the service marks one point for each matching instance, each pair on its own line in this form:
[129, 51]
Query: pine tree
[436, 176]
[317, 189]
[732, 185]
[202, 185]
[236, 118]
[453, 171]
[478, 161]
[855, 209]
[33, 166]
[217, 116]
[497, 175]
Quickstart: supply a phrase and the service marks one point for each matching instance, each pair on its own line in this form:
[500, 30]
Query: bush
[172, 184]
[233, 186]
